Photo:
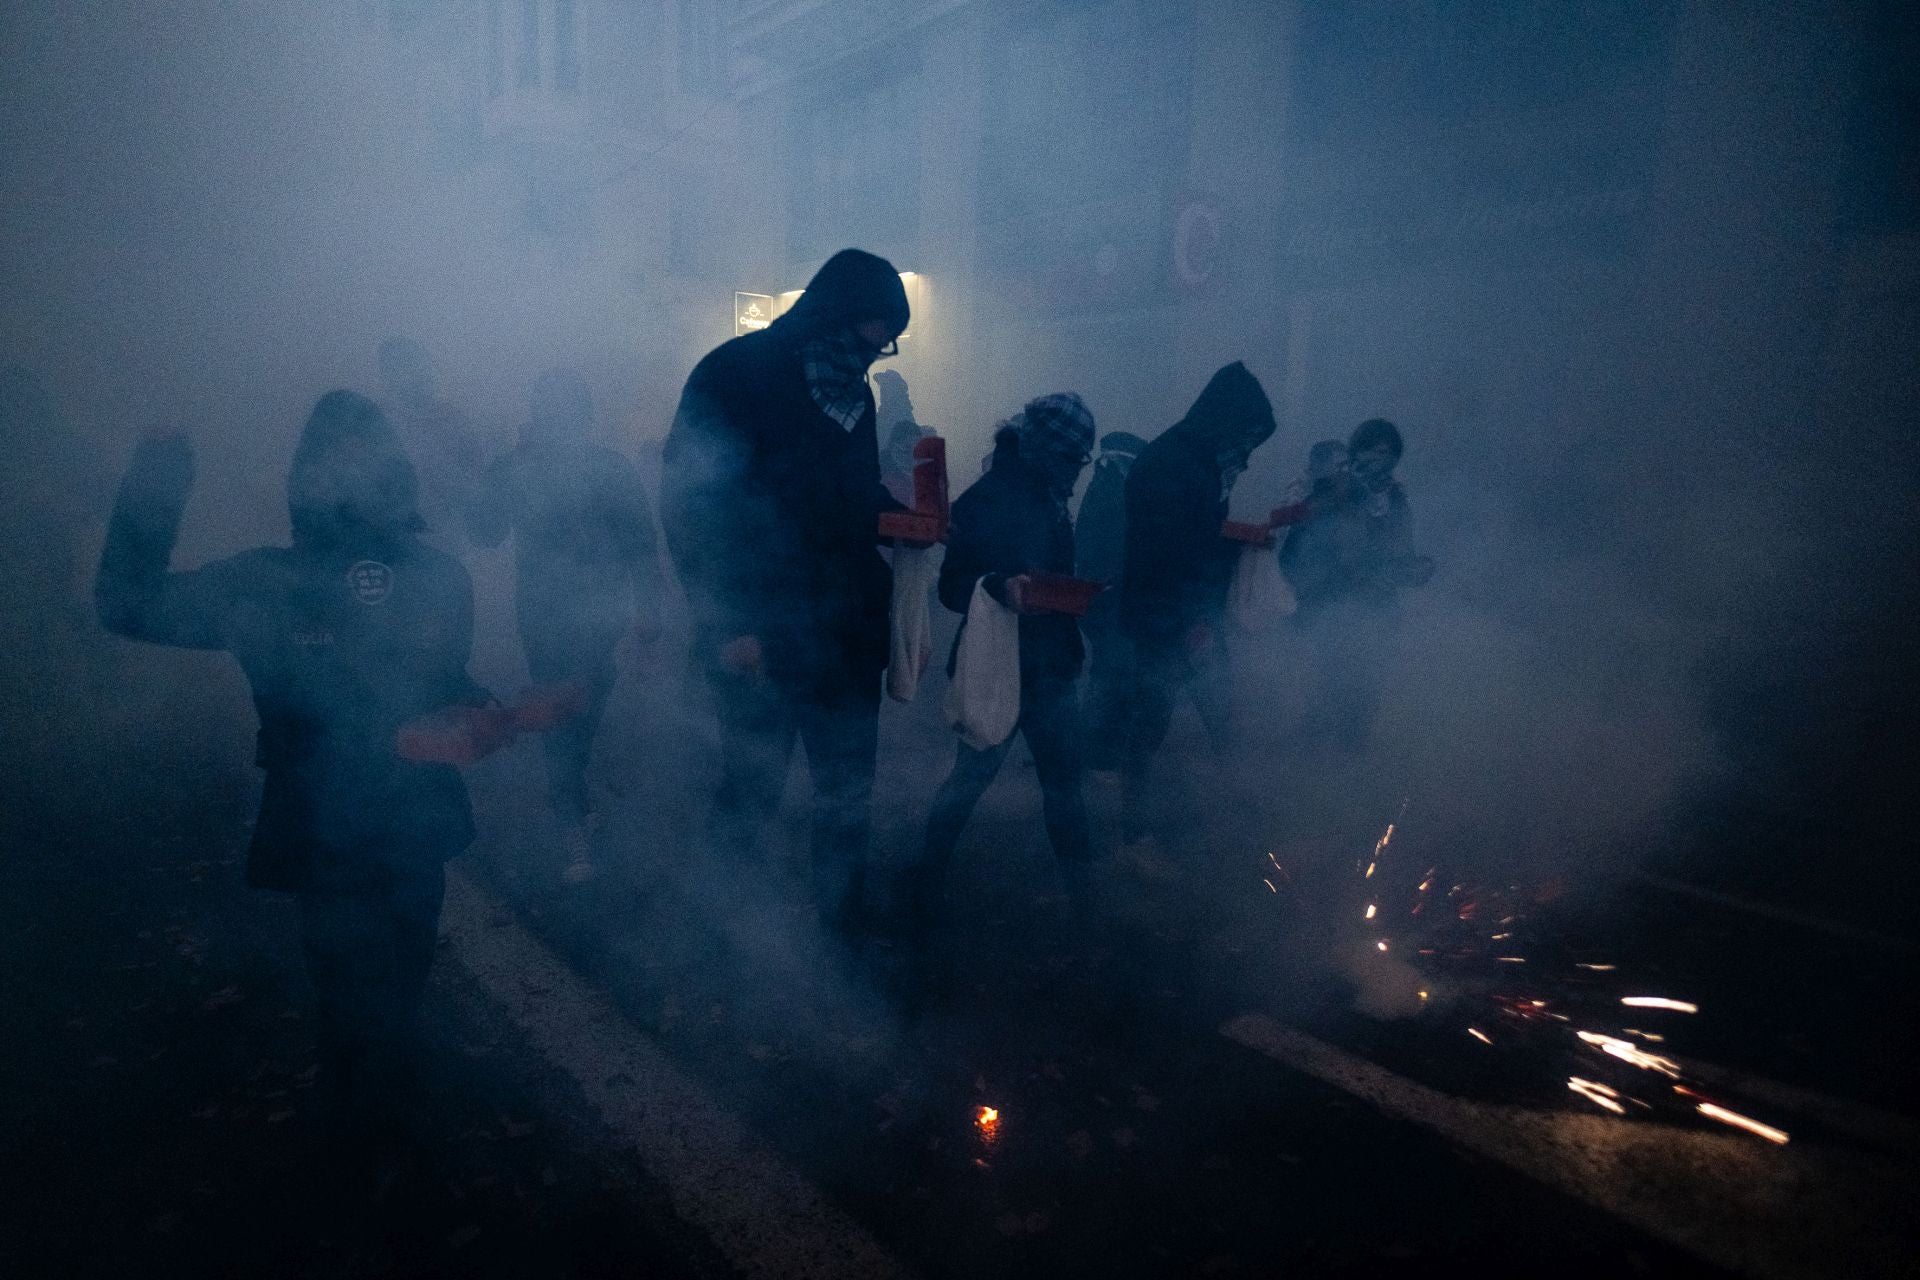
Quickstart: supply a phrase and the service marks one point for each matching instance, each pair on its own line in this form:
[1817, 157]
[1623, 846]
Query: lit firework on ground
[1486, 948]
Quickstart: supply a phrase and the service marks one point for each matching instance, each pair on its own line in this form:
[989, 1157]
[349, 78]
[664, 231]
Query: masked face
[359, 482]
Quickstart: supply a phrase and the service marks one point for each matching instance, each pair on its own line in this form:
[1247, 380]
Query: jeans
[1162, 672]
[571, 656]
[838, 723]
[368, 954]
[1110, 704]
[1050, 719]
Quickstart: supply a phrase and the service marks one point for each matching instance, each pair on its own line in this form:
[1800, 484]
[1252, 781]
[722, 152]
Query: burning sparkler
[1628, 1053]
[1715, 1112]
[1599, 1094]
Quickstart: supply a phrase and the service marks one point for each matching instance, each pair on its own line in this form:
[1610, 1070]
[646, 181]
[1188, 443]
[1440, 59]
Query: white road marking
[1782, 1213]
[764, 1218]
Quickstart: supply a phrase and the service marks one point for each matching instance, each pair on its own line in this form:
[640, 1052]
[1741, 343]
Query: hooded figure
[1010, 523]
[1100, 539]
[770, 499]
[1173, 594]
[1348, 563]
[586, 564]
[344, 636]
[437, 435]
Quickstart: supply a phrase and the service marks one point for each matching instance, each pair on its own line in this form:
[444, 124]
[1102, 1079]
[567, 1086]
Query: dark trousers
[839, 726]
[1349, 647]
[1162, 673]
[571, 655]
[1050, 719]
[368, 954]
[1110, 697]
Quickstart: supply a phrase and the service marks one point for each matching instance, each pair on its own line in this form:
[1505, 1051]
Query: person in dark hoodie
[586, 566]
[1011, 523]
[1100, 535]
[344, 636]
[1348, 563]
[1173, 595]
[770, 499]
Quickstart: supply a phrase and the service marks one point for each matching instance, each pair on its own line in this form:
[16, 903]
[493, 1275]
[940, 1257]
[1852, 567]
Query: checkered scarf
[1056, 435]
[836, 365]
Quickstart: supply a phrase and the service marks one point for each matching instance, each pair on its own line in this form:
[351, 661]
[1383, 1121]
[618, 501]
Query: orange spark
[1739, 1121]
[1598, 1094]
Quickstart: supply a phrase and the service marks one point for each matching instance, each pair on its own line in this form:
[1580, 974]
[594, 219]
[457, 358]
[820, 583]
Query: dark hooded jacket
[344, 636]
[1349, 552]
[770, 506]
[1100, 530]
[585, 555]
[1177, 566]
[1006, 524]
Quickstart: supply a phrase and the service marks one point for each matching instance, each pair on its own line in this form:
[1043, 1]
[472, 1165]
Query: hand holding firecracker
[926, 524]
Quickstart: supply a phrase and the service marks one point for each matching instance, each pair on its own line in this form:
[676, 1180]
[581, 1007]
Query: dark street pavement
[694, 1043]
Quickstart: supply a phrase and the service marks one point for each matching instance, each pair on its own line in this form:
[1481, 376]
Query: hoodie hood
[852, 288]
[1232, 415]
[351, 483]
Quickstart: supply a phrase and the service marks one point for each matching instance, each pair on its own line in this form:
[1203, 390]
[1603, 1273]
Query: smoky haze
[1636, 282]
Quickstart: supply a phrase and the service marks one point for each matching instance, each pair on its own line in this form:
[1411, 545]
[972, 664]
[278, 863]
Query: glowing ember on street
[1648, 1036]
[989, 1117]
[1598, 1094]
[1597, 968]
[1659, 1002]
[1268, 883]
[1479, 1035]
[1371, 909]
[1382, 944]
[1370, 867]
[1715, 1112]
[1511, 959]
[1628, 1053]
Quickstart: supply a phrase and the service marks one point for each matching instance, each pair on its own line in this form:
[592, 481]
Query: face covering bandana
[836, 366]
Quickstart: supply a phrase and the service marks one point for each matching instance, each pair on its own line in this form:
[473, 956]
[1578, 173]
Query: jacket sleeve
[963, 563]
[1174, 548]
[718, 525]
[134, 594]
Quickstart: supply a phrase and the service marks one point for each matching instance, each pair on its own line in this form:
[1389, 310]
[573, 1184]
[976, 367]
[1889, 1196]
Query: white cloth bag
[913, 571]
[1259, 597]
[983, 702]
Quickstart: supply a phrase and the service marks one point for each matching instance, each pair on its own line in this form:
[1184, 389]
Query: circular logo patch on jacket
[370, 580]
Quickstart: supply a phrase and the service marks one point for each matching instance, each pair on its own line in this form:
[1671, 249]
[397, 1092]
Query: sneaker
[579, 868]
[1145, 859]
